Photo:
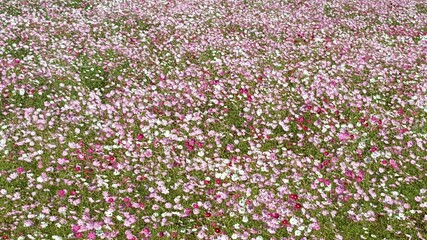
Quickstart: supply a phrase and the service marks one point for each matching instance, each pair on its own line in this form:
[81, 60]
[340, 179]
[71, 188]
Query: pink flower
[293, 197]
[28, 223]
[76, 228]
[349, 174]
[146, 231]
[187, 212]
[20, 170]
[129, 235]
[230, 147]
[189, 146]
[394, 164]
[91, 235]
[140, 136]
[339, 190]
[315, 226]
[360, 173]
[344, 137]
[148, 153]
[373, 149]
[61, 193]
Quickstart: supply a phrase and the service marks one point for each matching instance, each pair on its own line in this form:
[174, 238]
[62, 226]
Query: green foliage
[93, 76]
[328, 11]
[13, 49]
[11, 10]
[421, 8]
[234, 115]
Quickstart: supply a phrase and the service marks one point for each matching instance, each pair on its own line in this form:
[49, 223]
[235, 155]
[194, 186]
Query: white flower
[119, 218]
[259, 238]
[234, 236]
[245, 219]
[285, 127]
[165, 191]
[55, 237]
[99, 233]
[387, 154]
[2, 143]
[375, 154]
[242, 210]
[21, 92]
[40, 179]
[293, 221]
[167, 134]
[297, 233]
[28, 223]
[108, 213]
[234, 177]
[13, 176]
[62, 210]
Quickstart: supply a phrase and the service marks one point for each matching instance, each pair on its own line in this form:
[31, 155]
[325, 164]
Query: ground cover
[213, 119]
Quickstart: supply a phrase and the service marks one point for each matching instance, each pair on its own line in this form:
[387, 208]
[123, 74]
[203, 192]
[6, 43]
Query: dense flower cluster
[219, 119]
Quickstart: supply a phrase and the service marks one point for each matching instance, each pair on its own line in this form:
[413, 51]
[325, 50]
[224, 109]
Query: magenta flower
[61, 193]
[146, 232]
[20, 170]
[140, 136]
[76, 228]
[91, 235]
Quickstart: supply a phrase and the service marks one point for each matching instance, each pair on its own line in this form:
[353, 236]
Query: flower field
[213, 119]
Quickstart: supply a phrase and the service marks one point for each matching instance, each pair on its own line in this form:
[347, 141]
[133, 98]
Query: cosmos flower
[223, 120]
